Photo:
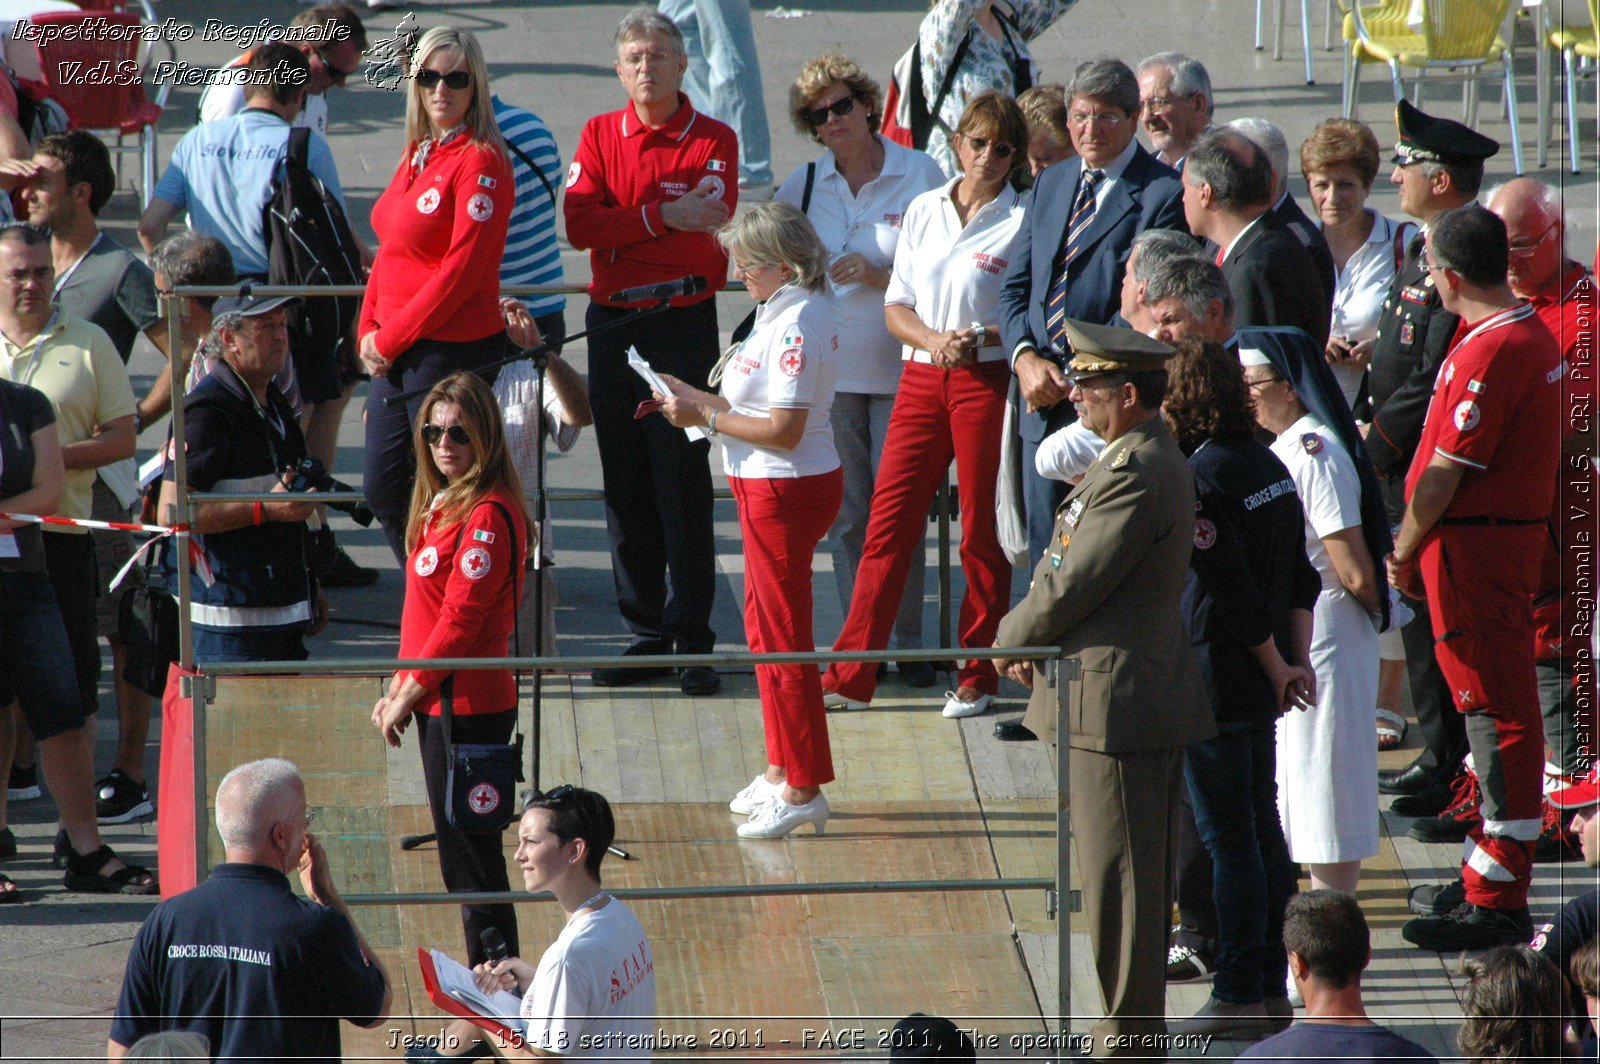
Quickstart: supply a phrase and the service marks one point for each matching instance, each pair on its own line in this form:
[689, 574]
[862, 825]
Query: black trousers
[1194, 881]
[70, 561]
[468, 862]
[657, 482]
[391, 462]
[1444, 731]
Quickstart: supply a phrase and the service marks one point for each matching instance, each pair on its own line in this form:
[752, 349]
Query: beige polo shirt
[79, 370]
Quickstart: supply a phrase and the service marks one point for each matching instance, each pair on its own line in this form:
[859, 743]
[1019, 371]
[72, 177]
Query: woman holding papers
[467, 537]
[778, 451]
[593, 993]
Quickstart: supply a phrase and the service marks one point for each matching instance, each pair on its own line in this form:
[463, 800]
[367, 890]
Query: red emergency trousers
[939, 414]
[1480, 582]
[782, 520]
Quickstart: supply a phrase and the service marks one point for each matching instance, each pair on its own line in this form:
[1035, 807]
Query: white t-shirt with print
[594, 992]
[787, 361]
[951, 275]
[866, 223]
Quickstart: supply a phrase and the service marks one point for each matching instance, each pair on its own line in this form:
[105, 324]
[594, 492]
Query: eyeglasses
[1260, 382]
[306, 819]
[456, 79]
[1001, 149]
[1429, 266]
[818, 115]
[1081, 119]
[1531, 246]
[339, 77]
[432, 434]
[655, 57]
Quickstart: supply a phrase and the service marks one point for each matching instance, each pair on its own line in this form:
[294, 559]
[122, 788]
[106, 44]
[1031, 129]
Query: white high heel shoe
[753, 797]
[835, 700]
[778, 818]
[956, 707]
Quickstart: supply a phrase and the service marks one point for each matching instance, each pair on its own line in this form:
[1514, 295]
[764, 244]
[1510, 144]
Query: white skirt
[1328, 756]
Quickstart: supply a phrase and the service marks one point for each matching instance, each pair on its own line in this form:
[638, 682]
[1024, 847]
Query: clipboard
[458, 1008]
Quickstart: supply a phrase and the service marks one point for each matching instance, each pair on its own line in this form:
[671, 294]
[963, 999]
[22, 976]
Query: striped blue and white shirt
[532, 253]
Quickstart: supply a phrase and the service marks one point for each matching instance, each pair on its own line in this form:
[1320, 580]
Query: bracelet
[260, 513]
[711, 423]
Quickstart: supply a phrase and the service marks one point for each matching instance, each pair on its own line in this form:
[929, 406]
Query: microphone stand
[540, 355]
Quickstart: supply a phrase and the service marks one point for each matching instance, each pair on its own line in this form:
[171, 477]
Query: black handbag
[147, 621]
[481, 779]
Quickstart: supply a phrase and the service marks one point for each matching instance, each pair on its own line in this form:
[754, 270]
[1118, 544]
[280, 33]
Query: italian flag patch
[483, 536]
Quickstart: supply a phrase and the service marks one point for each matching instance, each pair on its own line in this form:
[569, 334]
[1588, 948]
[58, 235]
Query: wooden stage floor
[918, 797]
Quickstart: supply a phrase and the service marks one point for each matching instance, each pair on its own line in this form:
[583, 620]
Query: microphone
[494, 944]
[683, 286]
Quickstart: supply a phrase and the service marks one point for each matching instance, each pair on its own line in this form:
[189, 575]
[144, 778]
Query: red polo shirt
[441, 236]
[1569, 311]
[1496, 410]
[621, 174]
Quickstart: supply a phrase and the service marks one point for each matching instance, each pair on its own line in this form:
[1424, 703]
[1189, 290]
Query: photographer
[241, 436]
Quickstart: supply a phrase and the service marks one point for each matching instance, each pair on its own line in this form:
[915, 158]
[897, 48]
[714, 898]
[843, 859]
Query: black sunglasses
[338, 77]
[456, 79]
[818, 115]
[1002, 150]
[432, 434]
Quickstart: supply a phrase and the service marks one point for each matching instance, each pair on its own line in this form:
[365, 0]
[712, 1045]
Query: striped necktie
[1077, 225]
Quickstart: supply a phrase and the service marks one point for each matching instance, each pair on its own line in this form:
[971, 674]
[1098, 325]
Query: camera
[312, 474]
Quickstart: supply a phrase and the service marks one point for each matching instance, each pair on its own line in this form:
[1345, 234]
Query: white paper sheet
[642, 368]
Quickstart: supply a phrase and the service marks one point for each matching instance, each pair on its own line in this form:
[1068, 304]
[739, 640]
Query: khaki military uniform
[1107, 591]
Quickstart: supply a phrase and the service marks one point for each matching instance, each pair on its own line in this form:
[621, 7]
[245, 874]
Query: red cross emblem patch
[792, 361]
[475, 563]
[483, 799]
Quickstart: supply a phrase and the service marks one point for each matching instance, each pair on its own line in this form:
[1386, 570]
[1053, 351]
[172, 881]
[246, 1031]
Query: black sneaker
[699, 680]
[624, 676]
[335, 568]
[24, 785]
[916, 673]
[119, 799]
[1469, 927]
[1436, 899]
[1184, 963]
[1456, 822]
[1556, 841]
[1430, 801]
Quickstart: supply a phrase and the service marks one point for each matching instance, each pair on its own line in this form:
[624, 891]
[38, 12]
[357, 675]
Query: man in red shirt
[1563, 295]
[1477, 499]
[647, 186]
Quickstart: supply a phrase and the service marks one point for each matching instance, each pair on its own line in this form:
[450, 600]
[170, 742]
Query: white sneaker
[956, 707]
[778, 818]
[835, 700]
[753, 797]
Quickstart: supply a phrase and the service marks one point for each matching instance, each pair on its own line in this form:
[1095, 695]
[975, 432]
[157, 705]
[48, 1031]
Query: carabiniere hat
[248, 306]
[1106, 349]
[1424, 138]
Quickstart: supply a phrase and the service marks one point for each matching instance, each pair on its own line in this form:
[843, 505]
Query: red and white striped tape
[197, 558]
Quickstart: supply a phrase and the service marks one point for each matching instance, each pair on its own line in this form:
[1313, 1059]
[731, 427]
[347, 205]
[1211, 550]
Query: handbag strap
[447, 688]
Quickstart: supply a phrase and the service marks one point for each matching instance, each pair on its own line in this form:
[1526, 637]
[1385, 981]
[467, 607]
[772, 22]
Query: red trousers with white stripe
[1480, 582]
[939, 415]
[782, 521]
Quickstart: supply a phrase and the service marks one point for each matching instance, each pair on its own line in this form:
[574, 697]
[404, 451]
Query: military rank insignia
[1312, 442]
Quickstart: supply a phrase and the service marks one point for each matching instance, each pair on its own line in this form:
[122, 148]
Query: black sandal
[8, 844]
[8, 890]
[83, 875]
[61, 850]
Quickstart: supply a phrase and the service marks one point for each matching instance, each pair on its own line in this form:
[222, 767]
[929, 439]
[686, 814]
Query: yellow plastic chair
[1458, 36]
[1574, 43]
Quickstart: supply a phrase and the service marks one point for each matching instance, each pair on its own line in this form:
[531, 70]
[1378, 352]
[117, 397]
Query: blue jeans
[249, 644]
[1232, 781]
[35, 657]
[724, 76]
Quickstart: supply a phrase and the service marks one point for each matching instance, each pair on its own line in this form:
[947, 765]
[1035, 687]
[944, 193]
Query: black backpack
[309, 243]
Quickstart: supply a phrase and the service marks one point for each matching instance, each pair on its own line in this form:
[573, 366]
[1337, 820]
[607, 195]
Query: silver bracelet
[711, 423]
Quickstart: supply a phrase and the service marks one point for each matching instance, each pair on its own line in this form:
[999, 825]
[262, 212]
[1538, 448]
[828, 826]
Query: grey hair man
[1175, 104]
[1189, 297]
[1269, 138]
[240, 958]
[1150, 249]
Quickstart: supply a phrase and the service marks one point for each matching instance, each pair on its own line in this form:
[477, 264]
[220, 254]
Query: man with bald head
[261, 972]
[1563, 295]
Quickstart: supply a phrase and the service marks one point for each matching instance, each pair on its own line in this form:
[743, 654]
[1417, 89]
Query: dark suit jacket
[1274, 282]
[1292, 218]
[1149, 195]
[1414, 335]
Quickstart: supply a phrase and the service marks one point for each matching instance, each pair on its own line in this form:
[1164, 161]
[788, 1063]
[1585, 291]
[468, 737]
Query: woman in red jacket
[467, 537]
[432, 305]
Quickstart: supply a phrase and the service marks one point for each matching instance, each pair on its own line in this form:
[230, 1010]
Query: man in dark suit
[1110, 192]
[1269, 138]
[1227, 198]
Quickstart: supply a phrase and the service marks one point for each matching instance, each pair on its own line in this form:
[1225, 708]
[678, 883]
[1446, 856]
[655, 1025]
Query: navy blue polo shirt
[260, 971]
[1576, 923]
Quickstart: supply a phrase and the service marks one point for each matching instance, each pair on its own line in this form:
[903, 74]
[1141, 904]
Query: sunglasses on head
[1001, 149]
[818, 115]
[432, 434]
[456, 79]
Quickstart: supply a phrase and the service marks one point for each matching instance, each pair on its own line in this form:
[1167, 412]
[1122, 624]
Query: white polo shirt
[787, 362]
[867, 223]
[1360, 289]
[951, 275]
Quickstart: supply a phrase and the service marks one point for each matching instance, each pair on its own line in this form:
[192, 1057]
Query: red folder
[430, 982]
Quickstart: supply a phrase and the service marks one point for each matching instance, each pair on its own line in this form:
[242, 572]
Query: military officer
[1108, 592]
[1438, 165]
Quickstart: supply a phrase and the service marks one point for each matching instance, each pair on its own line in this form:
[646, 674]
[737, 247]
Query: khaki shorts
[111, 551]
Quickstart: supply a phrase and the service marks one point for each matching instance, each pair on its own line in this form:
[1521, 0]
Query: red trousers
[782, 521]
[939, 414]
[1480, 582]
